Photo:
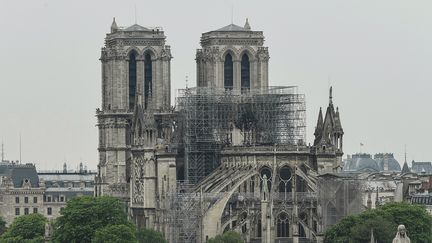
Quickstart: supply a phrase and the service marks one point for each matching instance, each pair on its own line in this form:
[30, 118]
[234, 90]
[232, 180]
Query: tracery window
[285, 177]
[228, 72]
[282, 225]
[148, 76]
[132, 79]
[245, 72]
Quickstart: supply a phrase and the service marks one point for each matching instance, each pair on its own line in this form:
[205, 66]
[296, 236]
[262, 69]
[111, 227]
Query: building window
[35, 200]
[61, 199]
[49, 211]
[16, 199]
[282, 225]
[49, 199]
[228, 72]
[132, 79]
[331, 214]
[17, 211]
[245, 72]
[148, 76]
[26, 211]
[35, 210]
[25, 199]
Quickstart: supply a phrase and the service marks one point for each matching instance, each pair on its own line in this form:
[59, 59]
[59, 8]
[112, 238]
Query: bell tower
[233, 57]
[135, 60]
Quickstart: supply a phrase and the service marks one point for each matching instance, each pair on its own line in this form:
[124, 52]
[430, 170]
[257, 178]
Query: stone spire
[320, 123]
[405, 168]
[247, 26]
[331, 95]
[114, 26]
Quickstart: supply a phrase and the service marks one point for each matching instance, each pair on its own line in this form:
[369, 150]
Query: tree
[2, 226]
[83, 216]
[227, 237]
[148, 235]
[115, 234]
[26, 228]
[384, 221]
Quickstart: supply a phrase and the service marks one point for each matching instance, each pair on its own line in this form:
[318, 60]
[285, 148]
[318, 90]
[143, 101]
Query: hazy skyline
[375, 54]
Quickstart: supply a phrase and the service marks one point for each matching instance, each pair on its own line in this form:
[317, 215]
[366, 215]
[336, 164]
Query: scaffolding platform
[209, 117]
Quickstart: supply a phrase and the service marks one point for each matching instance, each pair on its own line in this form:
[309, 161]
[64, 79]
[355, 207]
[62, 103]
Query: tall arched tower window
[228, 72]
[245, 72]
[148, 75]
[132, 79]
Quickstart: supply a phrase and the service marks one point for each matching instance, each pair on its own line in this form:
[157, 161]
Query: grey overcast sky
[376, 54]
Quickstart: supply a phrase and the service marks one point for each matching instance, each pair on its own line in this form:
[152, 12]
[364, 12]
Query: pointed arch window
[245, 72]
[282, 225]
[148, 76]
[132, 79]
[228, 72]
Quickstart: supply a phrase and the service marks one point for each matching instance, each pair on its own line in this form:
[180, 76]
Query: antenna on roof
[186, 81]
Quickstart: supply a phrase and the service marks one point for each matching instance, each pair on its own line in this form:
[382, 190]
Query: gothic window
[148, 75]
[245, 72]
[301, 184]
[285, 179]
[132, 79]
[259, 227]
[228, 72]
[282, 225]
[301, 231]
[331, 214]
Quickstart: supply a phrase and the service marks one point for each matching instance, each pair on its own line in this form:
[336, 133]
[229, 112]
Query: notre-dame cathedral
[230, 155]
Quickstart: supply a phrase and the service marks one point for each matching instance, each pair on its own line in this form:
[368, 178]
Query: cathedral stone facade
[263, 178]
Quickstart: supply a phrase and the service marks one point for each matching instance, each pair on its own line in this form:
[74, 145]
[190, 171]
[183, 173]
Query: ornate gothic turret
[328, 138]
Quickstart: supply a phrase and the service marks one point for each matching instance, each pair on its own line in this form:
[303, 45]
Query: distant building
[422, 167]
[363, 162]
[425, 200]
[23, 190]
[60, 186]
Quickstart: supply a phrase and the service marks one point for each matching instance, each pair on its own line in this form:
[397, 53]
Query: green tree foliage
[26, 229]
[83, 216]
[228, 237]
[115, 234]
[148, 235]
[384, 222]
[2, 226]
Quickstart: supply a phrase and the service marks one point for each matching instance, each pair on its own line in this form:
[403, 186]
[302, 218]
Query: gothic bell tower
[135, 60]
[233, 57]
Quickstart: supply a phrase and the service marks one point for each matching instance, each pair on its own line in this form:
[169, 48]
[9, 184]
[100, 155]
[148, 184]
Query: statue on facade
[265, 188]
[401, 236]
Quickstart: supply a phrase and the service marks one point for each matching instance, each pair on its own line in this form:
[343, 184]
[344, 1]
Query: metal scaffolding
[212, 116]
[184, 214]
